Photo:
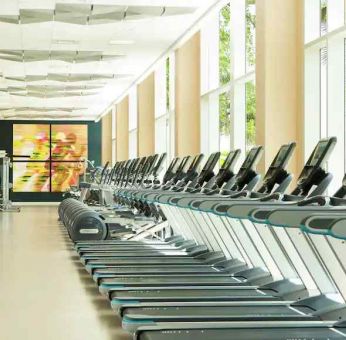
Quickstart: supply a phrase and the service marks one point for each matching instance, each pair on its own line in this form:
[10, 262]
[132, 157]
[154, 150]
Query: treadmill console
[148, 169]
[225, 173]
[157, 167]
[230, 160]
[207, 172]
[139, 170]
[179, 173]
[132, 170]
[103, 172]
[192, 171]
[277, 173]
[171, 170]
[313, 173]
[246, 173]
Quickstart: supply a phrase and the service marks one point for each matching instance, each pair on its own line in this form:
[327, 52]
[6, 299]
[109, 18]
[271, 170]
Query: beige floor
[44, 291]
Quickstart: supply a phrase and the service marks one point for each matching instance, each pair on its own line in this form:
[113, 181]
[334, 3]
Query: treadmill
[235, 276]
[191, 251]
[205, 175]
[311, 328]
[225, 173]
[276, 180]
[316, 308]
[246, 176]
[272, 291]
[174, 169]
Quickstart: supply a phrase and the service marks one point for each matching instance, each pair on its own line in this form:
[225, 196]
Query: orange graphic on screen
[62, 150]
[69, 142]
[65, 175]
[30, 177]
[31, 142]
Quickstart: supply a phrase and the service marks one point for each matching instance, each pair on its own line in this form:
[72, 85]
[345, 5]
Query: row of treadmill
[214, 254]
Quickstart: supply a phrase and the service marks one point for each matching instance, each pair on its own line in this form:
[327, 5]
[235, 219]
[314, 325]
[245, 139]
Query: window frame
[211, 89]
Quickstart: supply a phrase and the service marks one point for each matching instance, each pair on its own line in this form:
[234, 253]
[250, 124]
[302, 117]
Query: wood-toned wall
[122, 129]
[146, 116]
[187, 98]
[279, 78]
[107, 138]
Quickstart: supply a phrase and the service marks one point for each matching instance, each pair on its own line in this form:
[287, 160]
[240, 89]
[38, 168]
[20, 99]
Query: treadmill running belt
[157, 270]
[171, 281]
[169, 313]
[243, 334]
[192, 294]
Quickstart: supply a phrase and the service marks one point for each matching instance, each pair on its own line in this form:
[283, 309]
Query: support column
[146, 116]
[187, 98]
[122, 129]
[107, 138]
[279, 78]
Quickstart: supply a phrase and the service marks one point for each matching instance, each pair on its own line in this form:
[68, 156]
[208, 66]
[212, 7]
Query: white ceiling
[58, 69]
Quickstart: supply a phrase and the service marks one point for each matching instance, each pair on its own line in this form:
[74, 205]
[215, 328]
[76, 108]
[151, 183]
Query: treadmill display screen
[209, 161]
[250, 158]
[281, 156]
[319, 152]
[228, 162]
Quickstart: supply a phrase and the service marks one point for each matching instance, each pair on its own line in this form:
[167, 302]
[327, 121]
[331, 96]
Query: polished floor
[44, 291]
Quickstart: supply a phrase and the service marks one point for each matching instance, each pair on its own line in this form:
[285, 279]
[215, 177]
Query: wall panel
[146, 116]
[107, 138]
[279, 77]
[122, 126]
[187, 97]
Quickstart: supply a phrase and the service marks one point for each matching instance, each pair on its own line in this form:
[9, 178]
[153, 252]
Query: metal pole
[5, 182]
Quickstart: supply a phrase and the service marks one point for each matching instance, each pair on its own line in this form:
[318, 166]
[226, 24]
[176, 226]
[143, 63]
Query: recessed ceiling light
[121, 42]
[65, 42]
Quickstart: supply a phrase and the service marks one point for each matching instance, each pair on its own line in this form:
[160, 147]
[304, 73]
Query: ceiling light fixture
[121, 42]
[65, 42]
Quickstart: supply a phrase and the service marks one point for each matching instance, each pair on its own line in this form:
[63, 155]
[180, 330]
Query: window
[224, 124]
[228, 92]
[250, 94]
[164, 107]
[47, 157]
[324, 113]
[133, 123]
[224, 46]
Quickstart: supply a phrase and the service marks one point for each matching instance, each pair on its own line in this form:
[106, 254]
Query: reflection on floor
[44, 291]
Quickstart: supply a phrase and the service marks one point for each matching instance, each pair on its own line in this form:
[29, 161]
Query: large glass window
[48, 158]
[228, 93]
[224, 124]
[250, 89]
[225, 45]
[324, 114]
[164, 107]
[250, 35]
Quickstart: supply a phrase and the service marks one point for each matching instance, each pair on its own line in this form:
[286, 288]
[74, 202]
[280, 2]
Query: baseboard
[54, 204]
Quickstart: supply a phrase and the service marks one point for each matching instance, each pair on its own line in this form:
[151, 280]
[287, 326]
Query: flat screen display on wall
[48, 157]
